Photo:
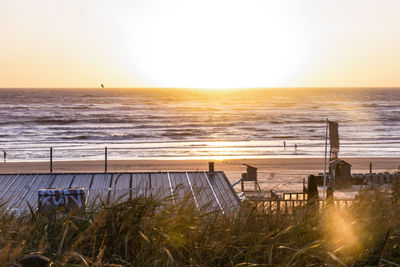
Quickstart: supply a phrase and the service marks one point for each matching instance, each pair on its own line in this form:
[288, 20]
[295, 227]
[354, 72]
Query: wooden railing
[290, 201]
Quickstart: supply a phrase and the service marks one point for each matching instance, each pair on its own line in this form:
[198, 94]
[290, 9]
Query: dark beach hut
[340, 171]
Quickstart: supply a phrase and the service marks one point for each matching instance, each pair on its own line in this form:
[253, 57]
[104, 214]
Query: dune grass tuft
[153, 232]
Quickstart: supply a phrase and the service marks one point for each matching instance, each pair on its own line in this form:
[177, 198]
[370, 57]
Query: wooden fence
[290, 201]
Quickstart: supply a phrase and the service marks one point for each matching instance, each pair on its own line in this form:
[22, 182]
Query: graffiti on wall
[70, 199]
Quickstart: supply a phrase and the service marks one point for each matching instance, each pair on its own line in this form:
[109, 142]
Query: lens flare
[341, 232]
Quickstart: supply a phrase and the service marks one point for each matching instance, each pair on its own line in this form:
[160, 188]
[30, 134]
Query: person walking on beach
[284, 145]
[295, 146]
[5, 156]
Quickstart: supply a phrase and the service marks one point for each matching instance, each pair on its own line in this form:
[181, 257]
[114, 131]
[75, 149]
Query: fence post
[51, 159]
[105, 160]
[286, 208]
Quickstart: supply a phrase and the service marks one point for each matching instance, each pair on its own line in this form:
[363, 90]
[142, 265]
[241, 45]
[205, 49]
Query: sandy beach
[274, 173]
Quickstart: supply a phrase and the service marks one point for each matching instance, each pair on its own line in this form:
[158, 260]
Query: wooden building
[209, 190]
[340, 173]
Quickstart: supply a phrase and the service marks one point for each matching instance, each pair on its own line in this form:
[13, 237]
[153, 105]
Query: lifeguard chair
[250, 176]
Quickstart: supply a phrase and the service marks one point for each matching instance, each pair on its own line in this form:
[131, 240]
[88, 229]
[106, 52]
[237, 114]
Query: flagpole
[326, 148]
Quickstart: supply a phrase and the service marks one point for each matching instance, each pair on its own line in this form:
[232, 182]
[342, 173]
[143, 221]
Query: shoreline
[268, 168]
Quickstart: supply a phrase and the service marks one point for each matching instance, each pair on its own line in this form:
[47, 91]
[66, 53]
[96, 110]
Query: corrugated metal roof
[210, 191]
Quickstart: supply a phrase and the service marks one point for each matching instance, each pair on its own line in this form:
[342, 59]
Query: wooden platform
[211, 191]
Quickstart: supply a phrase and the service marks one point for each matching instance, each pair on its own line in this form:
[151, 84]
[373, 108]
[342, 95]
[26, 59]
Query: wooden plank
[89, 193]
[219, 191]
[228, 192]
[135, 185]
[184, 189]
[203, 192]
[52, 180]
[234, 194]
[151, 184]
[144, 185]
[156, 184]
[20, 203]
[99, 189]
[62, 181]
[42, 182]
[179, 185]
[83, 180]
[165, 185]
[192, 190]
[121, 188]
[5, 182]
[214, 194]
[171, 188]
[161, 189]
[235, 200]
[17, 191]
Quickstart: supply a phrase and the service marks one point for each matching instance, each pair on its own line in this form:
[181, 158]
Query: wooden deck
[211, 191]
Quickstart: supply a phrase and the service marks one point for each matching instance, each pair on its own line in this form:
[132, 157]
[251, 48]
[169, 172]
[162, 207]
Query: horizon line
[216, 88]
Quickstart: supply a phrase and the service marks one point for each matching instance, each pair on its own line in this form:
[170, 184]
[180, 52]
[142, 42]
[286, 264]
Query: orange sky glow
[199, 44]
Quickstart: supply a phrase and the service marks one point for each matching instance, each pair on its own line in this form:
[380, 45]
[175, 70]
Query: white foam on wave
[136, 123]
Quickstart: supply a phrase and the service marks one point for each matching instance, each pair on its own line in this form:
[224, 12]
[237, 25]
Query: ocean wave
[296, 120]
[79, 117]
[179, 133]
[50, 121]
[283, 137]
[106, 137]
[94, 121]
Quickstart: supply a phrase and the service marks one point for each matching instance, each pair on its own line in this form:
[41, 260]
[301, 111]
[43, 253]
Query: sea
[152, 123]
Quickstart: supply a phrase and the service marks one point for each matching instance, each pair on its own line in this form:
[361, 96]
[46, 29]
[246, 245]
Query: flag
[334, 140]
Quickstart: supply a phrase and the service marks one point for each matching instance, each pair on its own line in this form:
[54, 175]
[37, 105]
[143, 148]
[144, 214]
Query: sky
[200, 44]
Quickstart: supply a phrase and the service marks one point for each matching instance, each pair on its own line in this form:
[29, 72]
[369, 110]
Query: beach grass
[153, 232]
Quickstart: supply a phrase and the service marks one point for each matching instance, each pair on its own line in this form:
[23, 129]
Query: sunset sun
[249, 46]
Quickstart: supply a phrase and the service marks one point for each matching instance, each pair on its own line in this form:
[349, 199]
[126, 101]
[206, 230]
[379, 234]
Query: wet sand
[273, 173]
